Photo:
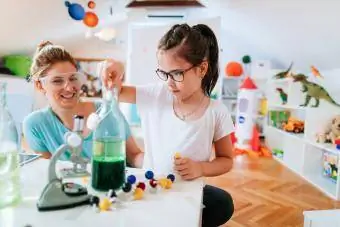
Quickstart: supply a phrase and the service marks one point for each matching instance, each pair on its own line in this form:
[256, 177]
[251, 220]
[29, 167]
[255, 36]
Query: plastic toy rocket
[247, 102]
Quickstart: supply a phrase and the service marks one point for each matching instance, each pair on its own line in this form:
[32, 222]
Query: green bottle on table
[109, 145]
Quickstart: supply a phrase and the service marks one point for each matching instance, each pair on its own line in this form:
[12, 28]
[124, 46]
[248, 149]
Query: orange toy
[90, 19]
[233, 69]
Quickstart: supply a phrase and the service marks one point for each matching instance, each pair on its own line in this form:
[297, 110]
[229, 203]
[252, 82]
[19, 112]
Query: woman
[54, 72]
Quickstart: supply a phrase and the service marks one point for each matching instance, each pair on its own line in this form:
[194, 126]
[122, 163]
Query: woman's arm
[44, 154]
[134, 154]
[223, 161]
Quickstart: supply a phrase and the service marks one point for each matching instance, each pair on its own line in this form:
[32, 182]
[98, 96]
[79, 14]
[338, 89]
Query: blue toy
[131, 179]
[75, 10]
[171, 177]
[149, 175]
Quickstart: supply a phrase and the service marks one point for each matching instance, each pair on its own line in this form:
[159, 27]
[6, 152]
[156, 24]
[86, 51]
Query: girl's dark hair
[195, 44]
[45, 56]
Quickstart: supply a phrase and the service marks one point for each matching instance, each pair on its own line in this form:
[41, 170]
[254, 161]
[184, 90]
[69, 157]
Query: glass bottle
[9, 155]
[109, 145]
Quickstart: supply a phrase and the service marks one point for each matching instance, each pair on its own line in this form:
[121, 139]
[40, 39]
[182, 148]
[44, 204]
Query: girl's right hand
[112, 74]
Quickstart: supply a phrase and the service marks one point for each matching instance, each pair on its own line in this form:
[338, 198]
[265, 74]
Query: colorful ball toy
[75, 10]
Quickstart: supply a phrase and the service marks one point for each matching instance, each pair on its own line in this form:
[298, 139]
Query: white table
[322, 218]
[179, 206]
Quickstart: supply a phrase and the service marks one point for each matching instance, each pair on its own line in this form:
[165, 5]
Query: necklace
[182, 116]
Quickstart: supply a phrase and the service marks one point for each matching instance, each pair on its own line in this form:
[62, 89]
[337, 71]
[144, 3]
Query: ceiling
[25, 23]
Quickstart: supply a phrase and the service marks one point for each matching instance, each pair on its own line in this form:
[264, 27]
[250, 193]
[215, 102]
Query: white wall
[303, 31]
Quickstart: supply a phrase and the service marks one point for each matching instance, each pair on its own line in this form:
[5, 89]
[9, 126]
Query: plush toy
[332, 132]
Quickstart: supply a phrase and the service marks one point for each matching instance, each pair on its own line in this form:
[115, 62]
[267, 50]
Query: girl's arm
[112, 76]
[223, 161]
[134, 154]
[127, 94]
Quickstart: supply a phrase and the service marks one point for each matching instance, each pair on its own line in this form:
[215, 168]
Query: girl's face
[61, 85]
[182, 78]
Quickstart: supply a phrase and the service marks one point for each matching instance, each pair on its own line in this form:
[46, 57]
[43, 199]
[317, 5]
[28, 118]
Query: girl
[54, 72]
[179, 116]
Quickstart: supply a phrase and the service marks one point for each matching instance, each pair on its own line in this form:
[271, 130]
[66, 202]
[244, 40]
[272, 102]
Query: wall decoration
[90, 19]
[91, 4]
[164, 3]
[90, 67]
[77, 12]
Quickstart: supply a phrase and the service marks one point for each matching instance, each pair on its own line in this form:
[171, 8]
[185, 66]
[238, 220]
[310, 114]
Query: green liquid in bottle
[108, 164]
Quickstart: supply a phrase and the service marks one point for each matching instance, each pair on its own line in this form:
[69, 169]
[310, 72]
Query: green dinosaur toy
[284, 74]
[283, 95]
[313, 90]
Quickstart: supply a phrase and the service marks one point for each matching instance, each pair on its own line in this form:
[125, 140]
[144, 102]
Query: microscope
[79, 168]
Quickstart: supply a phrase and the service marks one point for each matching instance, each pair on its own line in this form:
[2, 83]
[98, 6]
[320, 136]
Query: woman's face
[186, 79]
[61, 85]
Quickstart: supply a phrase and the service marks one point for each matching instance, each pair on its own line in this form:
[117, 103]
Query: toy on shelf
[246, 59]
[278, 153]
[283, 95]
[337, 143]
[233, 69]
[330, 168]
[331, 133]
[316, 72]
[293, 125]
[313, 90]
[256, 148]
[277, 118]
[247, 103]
[284, 74]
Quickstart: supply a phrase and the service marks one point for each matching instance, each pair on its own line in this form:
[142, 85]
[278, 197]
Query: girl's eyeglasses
[176, 75]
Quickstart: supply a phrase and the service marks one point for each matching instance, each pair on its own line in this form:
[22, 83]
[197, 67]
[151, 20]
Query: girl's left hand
[188, 169]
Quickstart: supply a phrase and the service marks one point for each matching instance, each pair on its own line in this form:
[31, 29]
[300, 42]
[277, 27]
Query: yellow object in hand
[138, 193]
[105, 204]
[177, 155]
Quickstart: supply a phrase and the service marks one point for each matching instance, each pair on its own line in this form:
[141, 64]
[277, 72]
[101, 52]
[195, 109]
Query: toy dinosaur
[313, 90]
[284, 74]
[283, 95]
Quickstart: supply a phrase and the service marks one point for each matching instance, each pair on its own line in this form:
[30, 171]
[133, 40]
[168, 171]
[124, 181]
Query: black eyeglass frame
[169, 74]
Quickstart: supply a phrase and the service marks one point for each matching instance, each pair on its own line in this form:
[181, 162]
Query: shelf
[322, 183]
[279, 160]
[293, 135]
[324, 146]
[285, 80]
[229, 97]
[286, 106]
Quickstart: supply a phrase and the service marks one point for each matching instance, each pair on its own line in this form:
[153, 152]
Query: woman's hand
[112, 74]
[188, 169]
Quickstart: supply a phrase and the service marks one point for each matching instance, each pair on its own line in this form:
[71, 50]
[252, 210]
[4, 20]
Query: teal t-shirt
[44, 132]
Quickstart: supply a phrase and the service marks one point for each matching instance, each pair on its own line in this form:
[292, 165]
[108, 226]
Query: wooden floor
[266, 193]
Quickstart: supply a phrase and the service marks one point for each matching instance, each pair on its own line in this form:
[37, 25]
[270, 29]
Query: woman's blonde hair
[45, 56]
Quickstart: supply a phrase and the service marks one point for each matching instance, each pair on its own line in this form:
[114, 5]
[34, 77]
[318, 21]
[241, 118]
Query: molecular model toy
[132, 190]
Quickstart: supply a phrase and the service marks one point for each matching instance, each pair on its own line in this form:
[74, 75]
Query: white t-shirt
[165, 134]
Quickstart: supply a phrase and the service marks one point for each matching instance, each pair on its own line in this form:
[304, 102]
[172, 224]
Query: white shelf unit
[302, 154]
